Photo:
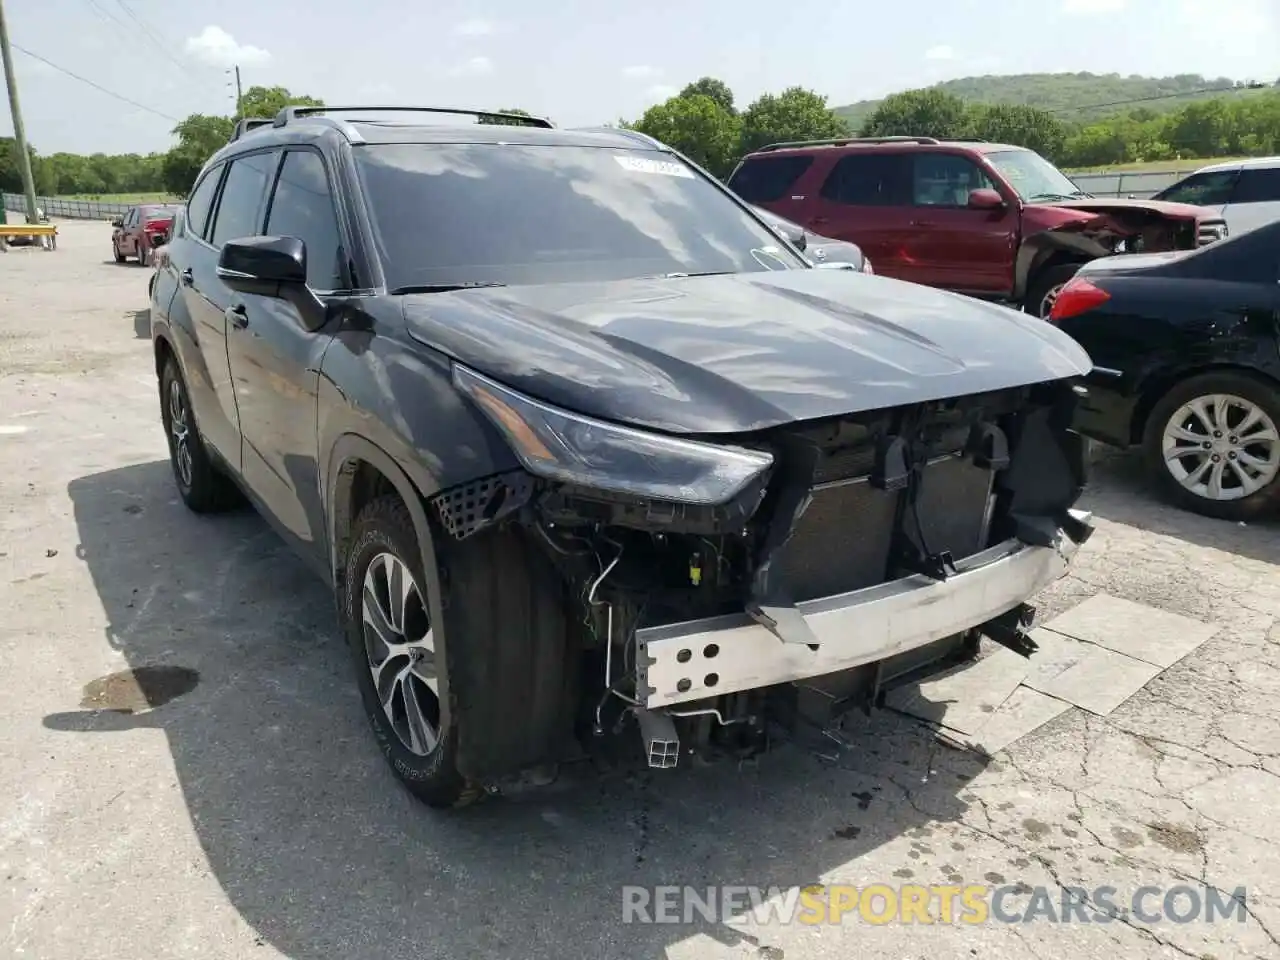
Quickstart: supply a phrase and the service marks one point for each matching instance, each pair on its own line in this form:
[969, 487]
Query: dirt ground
[241, 810]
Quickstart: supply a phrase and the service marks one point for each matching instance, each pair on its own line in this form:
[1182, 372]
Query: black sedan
[816, 248]
[1186, 352]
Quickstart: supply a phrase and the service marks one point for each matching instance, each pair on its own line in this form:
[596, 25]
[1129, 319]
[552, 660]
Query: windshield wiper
[446, 287]
[1053, 196]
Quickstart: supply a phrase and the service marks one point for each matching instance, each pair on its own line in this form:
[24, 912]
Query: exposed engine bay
[853, 563]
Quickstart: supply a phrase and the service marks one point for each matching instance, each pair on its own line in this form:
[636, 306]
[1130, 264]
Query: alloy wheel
[401, 652]
[1221, 447]
[180, 434]
[1049, 299]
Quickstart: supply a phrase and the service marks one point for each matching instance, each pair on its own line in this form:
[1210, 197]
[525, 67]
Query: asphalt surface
[251, 816]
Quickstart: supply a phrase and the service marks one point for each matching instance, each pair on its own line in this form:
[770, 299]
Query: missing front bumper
[682, 662]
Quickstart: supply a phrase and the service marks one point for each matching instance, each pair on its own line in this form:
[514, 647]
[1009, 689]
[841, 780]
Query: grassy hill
[1074, 96]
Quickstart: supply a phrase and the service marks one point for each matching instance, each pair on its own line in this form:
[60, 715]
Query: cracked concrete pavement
[251, 816]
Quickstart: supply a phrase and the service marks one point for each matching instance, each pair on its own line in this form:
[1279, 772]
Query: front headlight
[564, 446]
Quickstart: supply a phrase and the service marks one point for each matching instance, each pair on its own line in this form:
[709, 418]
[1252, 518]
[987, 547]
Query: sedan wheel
[401, 653]
[1049, 299]
[1214, 443]
[1221, 447]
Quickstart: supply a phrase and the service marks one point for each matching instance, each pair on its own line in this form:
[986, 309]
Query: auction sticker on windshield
[664, 168]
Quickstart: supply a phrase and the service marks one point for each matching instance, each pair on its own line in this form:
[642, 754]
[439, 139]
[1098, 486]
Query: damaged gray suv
[583, 446]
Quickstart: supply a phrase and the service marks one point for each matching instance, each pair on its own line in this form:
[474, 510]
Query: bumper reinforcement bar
[681, 662]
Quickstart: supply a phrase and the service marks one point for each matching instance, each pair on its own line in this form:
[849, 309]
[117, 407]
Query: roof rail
[290, 114]
[246, 125]
[841, 142]
[967, 140]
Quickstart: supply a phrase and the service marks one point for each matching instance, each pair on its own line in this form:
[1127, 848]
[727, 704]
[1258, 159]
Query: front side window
[946, 180]
[1033, 177]
[447, 214]
[240, 207]
[302, 207]
[1202, 189]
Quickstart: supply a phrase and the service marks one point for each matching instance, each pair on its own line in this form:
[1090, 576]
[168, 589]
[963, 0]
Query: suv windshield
[1034, 177]
[471, 214]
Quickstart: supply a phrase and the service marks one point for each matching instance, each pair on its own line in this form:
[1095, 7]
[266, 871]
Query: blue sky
[580, 62]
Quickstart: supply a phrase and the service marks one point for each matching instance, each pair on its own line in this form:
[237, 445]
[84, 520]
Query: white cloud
[642, 72]
[473, 67]
[1090, 8]
[477, 27]
[940, 52]
[377, 91]
[216, 47]
[660, 92]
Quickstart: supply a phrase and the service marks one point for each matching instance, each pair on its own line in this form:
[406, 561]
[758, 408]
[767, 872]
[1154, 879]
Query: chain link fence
[69, 209]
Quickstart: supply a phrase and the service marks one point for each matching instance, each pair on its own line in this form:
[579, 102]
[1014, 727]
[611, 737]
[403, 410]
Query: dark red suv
[141, 230]
[985, 219]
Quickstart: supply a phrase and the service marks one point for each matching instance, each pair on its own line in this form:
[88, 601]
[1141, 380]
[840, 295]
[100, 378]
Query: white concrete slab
[1024, 711]
[1134, 629]
[1099, 682]
[965, 697]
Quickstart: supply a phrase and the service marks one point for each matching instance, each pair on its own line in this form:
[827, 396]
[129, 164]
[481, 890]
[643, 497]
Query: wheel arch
[1051, 248]
[1158, 384]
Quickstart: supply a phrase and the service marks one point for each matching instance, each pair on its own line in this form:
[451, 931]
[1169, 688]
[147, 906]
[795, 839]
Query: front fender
[1038, 248]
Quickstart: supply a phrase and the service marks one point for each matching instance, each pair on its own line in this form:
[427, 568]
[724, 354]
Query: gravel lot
[252, 817]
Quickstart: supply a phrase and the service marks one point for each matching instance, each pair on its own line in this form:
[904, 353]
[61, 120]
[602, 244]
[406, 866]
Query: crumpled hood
[1177, 211]
[740, 352]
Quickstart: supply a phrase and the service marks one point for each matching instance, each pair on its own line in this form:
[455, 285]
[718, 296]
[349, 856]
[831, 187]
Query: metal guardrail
[1137, 183]
[70, 209]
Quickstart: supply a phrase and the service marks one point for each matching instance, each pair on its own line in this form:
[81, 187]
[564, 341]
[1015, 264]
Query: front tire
[1211, 445]
[1042, 293]
[202, 486]
[390, 624]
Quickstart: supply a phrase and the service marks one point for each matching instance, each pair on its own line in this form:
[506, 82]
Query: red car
[986, 219]
[141, 230]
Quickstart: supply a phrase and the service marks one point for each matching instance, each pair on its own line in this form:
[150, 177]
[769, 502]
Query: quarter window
[201, 200]
[239, 209]
[766, 179]
[1258, 186]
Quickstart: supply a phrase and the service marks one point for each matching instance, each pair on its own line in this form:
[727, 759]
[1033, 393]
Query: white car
[1245, 192]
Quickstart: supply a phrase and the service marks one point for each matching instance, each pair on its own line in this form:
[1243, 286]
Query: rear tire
[390, 624]
[1186, 420]
[203, 487]
[144, 254]
[115, 251]
[1045, 286]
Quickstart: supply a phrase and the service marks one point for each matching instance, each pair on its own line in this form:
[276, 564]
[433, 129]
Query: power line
[156, 41]
[1162, 96]
[96, 86]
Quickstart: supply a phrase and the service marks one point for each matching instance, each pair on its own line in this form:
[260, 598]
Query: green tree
[200, 136]
[266, 102]
[698, 127]
[920, 113]
[496, 120]
[1029, 127]
[794, 114]
[717, 90]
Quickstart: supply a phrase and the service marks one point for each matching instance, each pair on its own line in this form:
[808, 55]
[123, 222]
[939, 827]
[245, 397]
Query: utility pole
[239, 95]
[19, 135]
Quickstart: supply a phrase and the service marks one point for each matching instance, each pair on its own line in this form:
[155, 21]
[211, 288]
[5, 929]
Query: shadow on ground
[1120, 491]
[142, 324]
[325, 855]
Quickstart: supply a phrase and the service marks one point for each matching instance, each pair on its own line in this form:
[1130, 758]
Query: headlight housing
[571, 448]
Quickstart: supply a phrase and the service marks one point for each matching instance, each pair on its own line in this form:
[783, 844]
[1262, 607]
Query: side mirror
[267, 266]
[985, 199]
[118, 222]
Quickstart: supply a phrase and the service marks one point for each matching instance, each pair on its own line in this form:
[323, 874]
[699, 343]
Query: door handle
[236, 316]
[188, 277]
[820, 220]
[923, 223]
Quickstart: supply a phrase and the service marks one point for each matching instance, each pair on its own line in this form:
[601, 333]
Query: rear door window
[1202, 189]
[767, 179]
[240, 207]
[1258, 186]
[870, 180]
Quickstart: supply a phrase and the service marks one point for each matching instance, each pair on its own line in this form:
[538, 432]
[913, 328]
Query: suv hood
[740, 352]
